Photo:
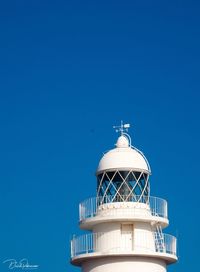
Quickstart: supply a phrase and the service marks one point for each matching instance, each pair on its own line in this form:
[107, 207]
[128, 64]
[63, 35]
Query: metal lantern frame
[107, 188]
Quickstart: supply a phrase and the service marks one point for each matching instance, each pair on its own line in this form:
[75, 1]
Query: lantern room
[123, 174]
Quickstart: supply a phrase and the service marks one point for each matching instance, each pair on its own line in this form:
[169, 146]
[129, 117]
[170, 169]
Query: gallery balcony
[96, 245]
[98, 210]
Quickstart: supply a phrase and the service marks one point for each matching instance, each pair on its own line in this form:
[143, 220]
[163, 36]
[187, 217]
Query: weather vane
[122, 128]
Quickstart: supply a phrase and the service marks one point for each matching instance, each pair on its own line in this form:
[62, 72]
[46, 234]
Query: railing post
[86, 243]
[71, 243]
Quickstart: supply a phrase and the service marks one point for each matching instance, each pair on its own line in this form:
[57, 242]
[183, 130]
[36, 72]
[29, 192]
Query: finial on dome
[124, 140]
[122, 128]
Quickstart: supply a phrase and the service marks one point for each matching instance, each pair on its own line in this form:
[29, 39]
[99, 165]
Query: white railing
[90, 207]
[92, 243]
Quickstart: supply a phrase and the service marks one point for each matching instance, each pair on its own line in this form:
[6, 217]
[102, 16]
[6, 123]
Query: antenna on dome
[122, 128]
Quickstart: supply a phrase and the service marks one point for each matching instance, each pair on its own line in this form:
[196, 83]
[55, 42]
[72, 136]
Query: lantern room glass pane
[119, 186]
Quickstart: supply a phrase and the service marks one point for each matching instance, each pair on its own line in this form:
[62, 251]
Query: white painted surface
[122, 141]
[125, 236]
[144, 240]
[136, 208]
[108, 237]
[124, 264]
[123, 158]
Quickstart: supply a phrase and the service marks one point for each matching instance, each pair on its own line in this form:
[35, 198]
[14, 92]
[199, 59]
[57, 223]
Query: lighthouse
[125, 223]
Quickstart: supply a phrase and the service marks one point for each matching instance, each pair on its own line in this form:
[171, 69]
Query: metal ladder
[159, 239]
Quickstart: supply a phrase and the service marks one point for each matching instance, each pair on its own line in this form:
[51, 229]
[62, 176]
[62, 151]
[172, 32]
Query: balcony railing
[92, 243]
[92, 206]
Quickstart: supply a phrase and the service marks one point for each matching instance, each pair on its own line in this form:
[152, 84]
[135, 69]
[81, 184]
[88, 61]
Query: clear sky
[70, 70]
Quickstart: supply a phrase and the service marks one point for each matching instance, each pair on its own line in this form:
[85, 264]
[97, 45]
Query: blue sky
[70, 70]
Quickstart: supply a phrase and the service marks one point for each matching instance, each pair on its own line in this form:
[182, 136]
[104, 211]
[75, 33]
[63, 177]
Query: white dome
[122, 142]
[123, 157]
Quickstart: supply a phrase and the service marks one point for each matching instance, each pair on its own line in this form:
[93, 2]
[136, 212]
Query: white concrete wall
[144, 240]
[124, 264]
[118, 208]
[127, 236]
[109, 241]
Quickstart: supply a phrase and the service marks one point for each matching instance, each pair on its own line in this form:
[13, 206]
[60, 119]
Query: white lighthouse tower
[125, 223]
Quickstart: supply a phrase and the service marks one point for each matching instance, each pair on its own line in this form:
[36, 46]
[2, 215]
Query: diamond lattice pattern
[121, 186]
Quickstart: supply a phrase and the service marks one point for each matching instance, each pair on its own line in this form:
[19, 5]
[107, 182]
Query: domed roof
[124, 157]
